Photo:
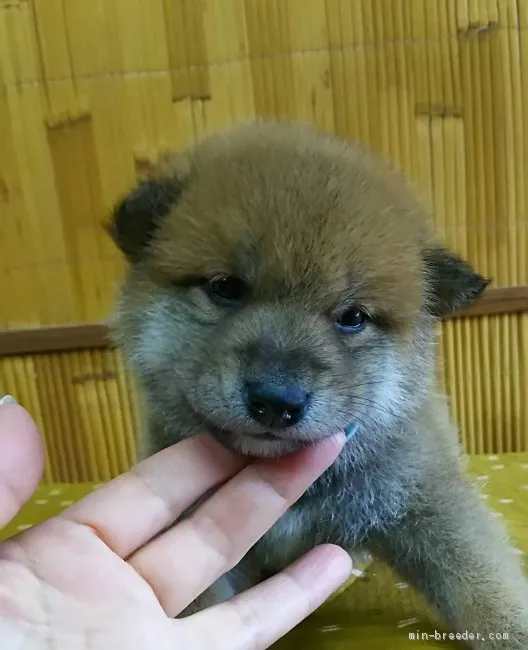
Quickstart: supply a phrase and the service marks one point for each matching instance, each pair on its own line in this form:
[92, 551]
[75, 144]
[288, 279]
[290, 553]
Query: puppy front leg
[218, 592]
[242, 577]
[457, 555]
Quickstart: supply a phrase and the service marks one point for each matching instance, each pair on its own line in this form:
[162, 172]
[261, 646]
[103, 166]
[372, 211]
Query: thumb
[21, 458]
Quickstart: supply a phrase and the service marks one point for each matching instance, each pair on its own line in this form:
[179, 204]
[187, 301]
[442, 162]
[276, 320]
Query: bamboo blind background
[91, 93]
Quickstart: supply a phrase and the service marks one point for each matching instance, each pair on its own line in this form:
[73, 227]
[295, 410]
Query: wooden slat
[507, 300]
[53, 339]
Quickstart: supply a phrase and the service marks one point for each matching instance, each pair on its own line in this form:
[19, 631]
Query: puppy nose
[276, 406]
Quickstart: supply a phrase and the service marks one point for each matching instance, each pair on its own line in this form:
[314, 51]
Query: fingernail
[340, 438]
[350, 431]
[7, 399]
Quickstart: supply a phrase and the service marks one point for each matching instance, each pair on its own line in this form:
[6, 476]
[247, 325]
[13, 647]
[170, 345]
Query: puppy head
[283, 285]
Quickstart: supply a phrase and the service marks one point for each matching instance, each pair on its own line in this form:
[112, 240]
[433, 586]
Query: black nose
[276, 406]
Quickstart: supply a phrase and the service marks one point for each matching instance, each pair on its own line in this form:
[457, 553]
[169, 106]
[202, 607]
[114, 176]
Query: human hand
[103, 574]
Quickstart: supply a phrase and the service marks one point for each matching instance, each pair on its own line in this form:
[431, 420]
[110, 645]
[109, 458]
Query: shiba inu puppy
[284, 284]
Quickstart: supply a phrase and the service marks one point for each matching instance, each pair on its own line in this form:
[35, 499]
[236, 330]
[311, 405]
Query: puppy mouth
[257, 444]
[265, 436]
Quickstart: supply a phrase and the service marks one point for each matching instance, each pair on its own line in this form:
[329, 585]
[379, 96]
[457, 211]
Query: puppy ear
[452, 283]
[136, 216]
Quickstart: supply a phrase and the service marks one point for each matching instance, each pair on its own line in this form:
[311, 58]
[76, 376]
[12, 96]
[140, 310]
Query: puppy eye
[226, 289]
[351, 321]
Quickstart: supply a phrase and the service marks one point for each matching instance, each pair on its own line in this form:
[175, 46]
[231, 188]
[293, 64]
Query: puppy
[283, 285]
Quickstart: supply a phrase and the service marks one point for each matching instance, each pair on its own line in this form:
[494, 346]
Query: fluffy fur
[314, 225]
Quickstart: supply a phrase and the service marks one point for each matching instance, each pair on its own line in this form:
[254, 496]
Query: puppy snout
[274, 405]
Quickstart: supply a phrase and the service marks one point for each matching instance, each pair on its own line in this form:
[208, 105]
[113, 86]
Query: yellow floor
[377, 608]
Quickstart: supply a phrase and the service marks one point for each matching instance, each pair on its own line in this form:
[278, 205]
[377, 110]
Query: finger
[259, 617]
[184, 561]
[21, 458]
[133, 508]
